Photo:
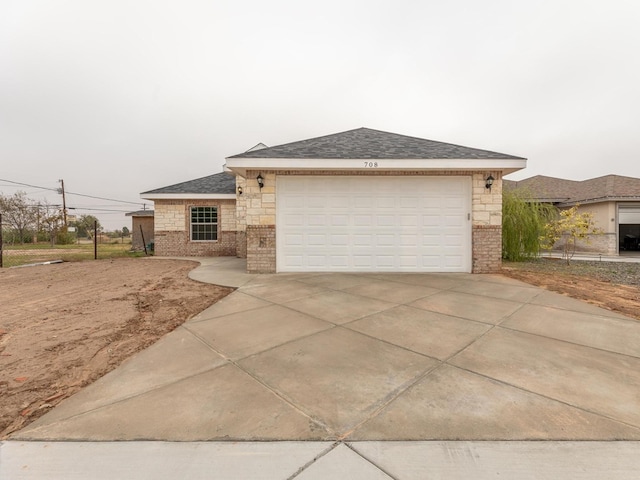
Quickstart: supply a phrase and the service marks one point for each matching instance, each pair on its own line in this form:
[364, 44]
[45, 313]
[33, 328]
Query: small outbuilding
[142, 228]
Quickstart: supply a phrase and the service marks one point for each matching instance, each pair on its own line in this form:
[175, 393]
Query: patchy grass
[16, 255]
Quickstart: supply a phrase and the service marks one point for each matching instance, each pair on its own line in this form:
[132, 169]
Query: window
[204, 224]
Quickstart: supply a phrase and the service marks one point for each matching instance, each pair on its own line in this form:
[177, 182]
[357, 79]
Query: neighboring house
[141, 228]
[613, 200]
[361, 201]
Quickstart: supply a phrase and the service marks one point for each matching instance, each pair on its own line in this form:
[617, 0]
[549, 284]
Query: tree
[125, 232]
[50, 220]
[570, 226]
[85, 225]
[19, 213]
[523, 223]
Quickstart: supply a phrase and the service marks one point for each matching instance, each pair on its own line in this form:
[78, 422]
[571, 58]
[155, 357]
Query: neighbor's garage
[373, 224]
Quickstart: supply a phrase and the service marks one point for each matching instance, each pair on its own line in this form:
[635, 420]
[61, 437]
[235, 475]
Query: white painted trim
[505, 165]
[189, 196]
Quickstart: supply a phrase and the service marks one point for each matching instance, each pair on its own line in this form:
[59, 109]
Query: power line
[98, 209]
[29, 185]
[70, 193]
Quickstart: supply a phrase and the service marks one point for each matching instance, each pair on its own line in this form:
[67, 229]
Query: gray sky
[121, 96]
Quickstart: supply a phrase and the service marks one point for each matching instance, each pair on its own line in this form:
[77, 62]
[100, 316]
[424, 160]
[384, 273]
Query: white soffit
[505, 165]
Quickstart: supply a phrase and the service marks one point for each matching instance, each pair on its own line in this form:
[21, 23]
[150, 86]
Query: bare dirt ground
[611, 285]
[65, 325]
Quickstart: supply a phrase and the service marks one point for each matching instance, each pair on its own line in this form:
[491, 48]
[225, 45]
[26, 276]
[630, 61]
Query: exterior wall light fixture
[260, 181]
[489, 181]
[239, 190]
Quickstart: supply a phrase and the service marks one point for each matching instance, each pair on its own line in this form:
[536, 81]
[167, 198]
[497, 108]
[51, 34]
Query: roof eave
[505, 165]
[587, 201]
[188, 196]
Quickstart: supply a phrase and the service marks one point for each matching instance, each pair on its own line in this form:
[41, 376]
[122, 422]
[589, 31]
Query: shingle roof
[217, 183]
[140, 213]
[558, 190]
[364, 143]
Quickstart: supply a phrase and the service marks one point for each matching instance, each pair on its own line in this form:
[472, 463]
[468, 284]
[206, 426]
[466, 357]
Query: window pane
[204, 223]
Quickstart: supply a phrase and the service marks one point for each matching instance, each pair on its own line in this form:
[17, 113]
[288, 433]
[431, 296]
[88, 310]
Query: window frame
[214, 232]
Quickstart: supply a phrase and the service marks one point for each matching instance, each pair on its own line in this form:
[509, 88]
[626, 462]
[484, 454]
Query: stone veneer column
[261, 222]
[241, 218]
[487, 223]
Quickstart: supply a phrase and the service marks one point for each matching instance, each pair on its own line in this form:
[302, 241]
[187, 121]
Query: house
[361, 200]
[614, 201]
[141, 228]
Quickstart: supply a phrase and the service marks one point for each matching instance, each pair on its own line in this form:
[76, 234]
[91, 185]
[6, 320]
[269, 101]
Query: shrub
[523, 222]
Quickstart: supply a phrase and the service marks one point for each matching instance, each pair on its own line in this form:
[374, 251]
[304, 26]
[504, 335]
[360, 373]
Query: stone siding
[172, 229]
[486, 237]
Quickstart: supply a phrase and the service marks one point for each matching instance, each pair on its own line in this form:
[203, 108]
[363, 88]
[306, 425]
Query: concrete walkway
[390, 375]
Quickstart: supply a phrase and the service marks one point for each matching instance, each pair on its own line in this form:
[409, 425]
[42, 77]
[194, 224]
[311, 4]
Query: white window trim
[217, 223]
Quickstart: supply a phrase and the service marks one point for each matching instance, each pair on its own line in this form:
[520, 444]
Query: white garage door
[373, 224]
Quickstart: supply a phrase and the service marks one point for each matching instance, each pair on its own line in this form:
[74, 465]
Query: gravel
[619, 273]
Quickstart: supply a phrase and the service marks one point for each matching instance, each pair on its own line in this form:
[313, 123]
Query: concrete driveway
[354, 357]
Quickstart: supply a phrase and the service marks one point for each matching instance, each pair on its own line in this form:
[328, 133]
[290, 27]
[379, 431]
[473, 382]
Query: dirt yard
[65, 325]
[611, 285]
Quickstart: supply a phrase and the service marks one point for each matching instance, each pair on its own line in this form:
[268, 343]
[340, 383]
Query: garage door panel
[363, 261]
[407, 224]
[361, 240]
[362, 220]
[383, 202]
[294, 220]
[315, 239]
[385, 240]
[385, 220]
[405, 240]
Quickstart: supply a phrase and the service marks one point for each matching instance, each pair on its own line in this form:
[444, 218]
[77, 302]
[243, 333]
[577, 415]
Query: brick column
[261, 248]
[487, 248]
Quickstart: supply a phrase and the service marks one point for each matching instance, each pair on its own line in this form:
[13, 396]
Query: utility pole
[64, 203]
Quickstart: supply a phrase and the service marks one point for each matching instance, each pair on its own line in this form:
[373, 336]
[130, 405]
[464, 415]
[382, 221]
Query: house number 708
[370, 164]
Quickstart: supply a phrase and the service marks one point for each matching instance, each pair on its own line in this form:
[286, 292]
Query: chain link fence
[14, 253]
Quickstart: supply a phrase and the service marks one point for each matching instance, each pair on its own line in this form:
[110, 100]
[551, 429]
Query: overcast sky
[117, 97]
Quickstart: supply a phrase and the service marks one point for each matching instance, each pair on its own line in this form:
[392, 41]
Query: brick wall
[177, 244]
[487, 248]
[172, 229]
[261, 248]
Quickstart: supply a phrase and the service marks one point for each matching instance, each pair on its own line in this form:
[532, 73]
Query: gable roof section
[569, 192]
[365, 143]
[217, 186]
[346, 150]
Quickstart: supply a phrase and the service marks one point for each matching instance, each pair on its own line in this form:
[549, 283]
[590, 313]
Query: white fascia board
[505, 165]
[188, 196]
